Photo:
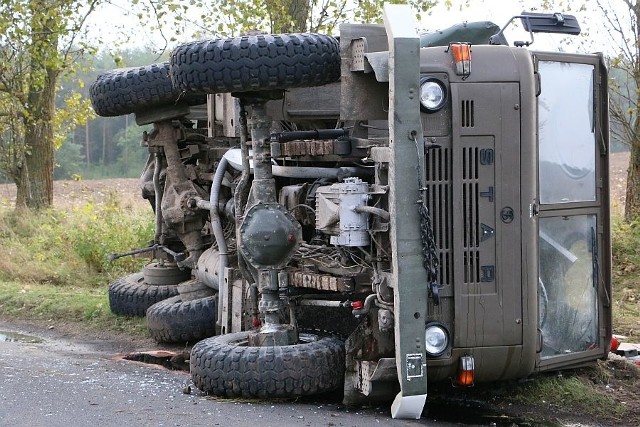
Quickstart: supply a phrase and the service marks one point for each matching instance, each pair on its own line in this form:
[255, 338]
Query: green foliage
[65, 303]
[626, 277]
[572, 392]
[71, 247]
[625, 243]
[100, 231]
[127, 157]
[230, 18]
[69, 161]
[39, 44]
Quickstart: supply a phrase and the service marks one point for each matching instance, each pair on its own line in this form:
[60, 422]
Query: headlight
[436, 339]
[433, 94]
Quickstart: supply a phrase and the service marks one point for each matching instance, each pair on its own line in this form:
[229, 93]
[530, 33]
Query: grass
[573, 392]
[626, 278]
[64, 303]
[54, 265]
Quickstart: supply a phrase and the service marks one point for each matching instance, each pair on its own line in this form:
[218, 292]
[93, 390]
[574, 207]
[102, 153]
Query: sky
[111, 22]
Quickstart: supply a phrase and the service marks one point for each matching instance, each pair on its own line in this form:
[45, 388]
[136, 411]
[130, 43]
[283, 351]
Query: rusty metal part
[321, 282]
[178, 189]
[306, 148]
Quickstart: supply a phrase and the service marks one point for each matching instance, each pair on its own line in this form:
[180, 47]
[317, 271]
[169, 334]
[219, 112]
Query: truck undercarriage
[372, 213]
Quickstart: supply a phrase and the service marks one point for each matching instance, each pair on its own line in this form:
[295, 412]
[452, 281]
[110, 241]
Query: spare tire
[173, 320]
[129, 90]
[132, 296]
[256, 63]
[225, 366]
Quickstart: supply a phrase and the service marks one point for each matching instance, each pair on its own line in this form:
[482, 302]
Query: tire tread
[221, 368]
[255, 63]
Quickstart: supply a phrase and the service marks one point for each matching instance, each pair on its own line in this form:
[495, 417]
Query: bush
[71, 247]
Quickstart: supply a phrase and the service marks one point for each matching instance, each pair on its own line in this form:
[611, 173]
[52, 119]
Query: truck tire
[256, 63]
[225, 366]
[132, 296]
[173, 320]
[128, 90]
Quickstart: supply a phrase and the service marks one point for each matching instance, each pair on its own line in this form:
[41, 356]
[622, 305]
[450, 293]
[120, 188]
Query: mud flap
[408, 406]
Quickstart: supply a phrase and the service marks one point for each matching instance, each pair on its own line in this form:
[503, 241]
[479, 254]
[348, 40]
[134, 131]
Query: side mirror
[557, 23]
[550, 23]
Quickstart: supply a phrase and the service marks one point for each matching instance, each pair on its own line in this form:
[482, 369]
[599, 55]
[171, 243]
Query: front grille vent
[439, 201]
[470, 214]
[467, 114]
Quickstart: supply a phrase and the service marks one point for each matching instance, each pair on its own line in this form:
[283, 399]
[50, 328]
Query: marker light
[465, 372]
[436, 339]
[615, 343]
[433, 94]
[461, 53]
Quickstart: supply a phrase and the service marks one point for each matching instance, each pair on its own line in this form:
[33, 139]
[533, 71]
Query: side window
[567, 294]
[566, 133]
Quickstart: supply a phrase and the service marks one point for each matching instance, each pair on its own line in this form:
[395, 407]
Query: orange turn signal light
[461, 53]
[465, 377]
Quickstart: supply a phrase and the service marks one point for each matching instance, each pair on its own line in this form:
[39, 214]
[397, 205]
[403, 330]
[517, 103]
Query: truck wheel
[156, 273]
[195, 289]
[255, 63]
[174, 320]
[131, 295]
[128, 90]
[226, 366]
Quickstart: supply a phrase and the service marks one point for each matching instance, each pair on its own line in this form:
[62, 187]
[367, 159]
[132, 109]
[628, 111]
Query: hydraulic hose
[218, 232]
[158, 199]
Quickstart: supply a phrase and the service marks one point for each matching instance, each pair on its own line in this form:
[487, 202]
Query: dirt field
[70, 194]
[618, 164]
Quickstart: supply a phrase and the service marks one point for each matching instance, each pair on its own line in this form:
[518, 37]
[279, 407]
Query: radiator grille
[439, 200]
[470, 214]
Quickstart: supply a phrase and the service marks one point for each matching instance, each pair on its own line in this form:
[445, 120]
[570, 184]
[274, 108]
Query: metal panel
[353, 105]
[409, 278]
[486, 200]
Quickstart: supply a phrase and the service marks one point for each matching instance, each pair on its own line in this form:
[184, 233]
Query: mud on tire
[225, 366]
[254, 63]
[174, 320]
[132, 296]
[128, 90]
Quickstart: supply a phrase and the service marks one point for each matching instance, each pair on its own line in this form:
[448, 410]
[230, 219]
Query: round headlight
[436, 340]
[433, 95]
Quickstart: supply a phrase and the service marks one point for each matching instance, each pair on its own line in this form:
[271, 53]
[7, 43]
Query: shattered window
[567, 293]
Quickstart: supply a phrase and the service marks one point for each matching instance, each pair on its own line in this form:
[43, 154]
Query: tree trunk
[632, 199]
[288, 16]
[299, 12]
[87, 144]
[23, 189]
[104, 143]
[39, 139]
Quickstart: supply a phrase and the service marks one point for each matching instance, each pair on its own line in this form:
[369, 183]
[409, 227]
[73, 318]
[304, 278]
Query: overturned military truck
[372, 214]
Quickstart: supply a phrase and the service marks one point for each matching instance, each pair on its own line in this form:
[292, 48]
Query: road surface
[53, 382]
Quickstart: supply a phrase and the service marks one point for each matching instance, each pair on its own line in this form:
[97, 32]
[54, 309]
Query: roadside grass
[54, 265]
[68, 304]
[575, 391]
[626, 278]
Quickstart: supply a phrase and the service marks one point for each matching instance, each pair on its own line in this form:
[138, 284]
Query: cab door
[574, 287]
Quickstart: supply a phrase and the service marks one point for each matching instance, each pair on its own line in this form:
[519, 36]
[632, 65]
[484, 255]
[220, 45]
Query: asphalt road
[58, 382]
